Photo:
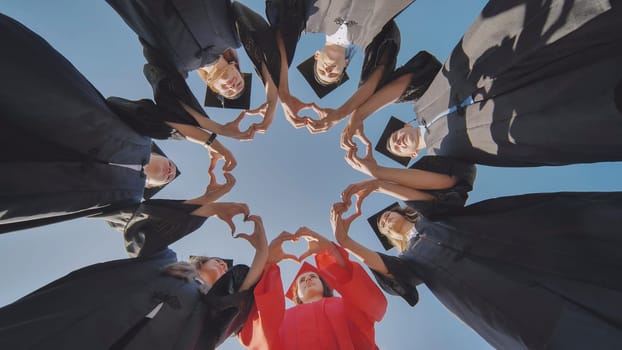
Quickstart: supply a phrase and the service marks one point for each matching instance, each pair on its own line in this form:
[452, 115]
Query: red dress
[345, 322]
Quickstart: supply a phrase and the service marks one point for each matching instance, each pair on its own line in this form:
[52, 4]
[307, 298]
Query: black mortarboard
[393, 125]
[229, 262]
[213, 99]
[150, 192]
[373, 222]
[307, 69]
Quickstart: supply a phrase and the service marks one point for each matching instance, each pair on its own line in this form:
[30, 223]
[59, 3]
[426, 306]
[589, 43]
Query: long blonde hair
[400, 240]
[188, 270]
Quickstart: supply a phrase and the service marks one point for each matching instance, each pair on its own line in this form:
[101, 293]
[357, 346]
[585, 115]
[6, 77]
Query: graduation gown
[370, 26]
[450, 199]
[345, 322]
[153, 224]
[105, 304]
[546, 81]
[181, 36]
[58, 137]
[537, 271]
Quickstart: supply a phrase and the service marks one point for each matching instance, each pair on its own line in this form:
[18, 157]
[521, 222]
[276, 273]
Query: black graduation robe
[371, 27]
[181, 36]
[97, 306]
[447, 200]
[536, 271]
[58, 136]
[546, 81]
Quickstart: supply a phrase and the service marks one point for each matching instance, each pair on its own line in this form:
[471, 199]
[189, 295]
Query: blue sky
[287, 176]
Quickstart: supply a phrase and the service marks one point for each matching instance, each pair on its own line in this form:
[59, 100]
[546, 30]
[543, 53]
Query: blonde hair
[188, 270]
[399, 240]
[218, 71]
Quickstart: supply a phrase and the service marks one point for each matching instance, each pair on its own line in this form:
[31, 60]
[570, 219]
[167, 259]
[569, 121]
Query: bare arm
[341, 227]
[200, 136]
[268, 109]
[291, 105]
[231, 129]
[413, 178]
[386, 95]
[258, 240]
[362, 94]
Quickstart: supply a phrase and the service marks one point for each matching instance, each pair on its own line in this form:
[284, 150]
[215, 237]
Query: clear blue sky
[287, 176]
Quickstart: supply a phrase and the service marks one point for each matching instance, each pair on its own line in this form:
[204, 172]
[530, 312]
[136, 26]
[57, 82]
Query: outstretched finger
[243, 236]
[229, 179]
[230, 164]
[229, 222]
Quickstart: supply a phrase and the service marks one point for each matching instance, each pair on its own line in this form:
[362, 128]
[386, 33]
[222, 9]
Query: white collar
[340, 37]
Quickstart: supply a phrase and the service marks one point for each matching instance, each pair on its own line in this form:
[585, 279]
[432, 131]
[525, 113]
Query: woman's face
[211, 270]
[404, 142]
[309, 287]
[160, 170]
[394, 223]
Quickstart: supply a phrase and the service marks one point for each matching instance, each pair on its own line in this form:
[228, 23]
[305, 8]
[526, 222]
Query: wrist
[210, 140]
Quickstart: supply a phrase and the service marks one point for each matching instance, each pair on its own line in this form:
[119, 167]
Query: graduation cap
[393, 125]
[213, 99]
[150, 192]
[307, 69]
[306, 267]
[373, 222]
[200, 258]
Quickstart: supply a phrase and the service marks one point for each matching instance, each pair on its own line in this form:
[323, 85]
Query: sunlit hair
[188, 270]
[399, 240]
[219, 71]
[327, 291]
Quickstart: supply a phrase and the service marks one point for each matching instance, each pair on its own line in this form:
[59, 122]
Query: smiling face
[224, 77]
[330, 64]
[229, 83]
[310, 287]
[160, 171]
[405, 142]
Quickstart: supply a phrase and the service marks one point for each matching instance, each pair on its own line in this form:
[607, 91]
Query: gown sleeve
[157, 223]
[144, 117]
[353, 283]
[424, 66]
[261, 329]
[228, 307]
[257, 37]
[288, 17]
[449, 200]
[382, 50]
[403, 281]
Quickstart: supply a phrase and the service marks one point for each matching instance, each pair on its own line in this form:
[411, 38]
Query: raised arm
[413, 178]
[261, 330]
[231, 129]
[291, 105]
[258, 240]
[388, 94]
[362, 189]
[197, 135]
[341, 227]
[330, 117]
